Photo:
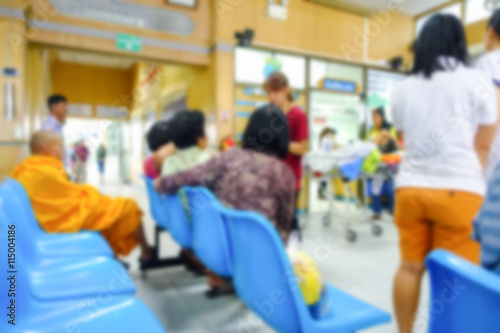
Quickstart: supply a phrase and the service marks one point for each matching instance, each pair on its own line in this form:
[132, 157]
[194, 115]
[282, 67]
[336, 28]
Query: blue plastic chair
[51, 245]
[210, 232]
[157, 204]
[265, 282]
[178, 222]
[104, 311]
[60, 278]
[464, 298]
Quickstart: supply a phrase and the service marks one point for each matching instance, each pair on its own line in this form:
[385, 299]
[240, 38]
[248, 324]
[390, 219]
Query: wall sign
[184, 3]
[127, 13]
[128, 43]
[339, 86]
[9, 72]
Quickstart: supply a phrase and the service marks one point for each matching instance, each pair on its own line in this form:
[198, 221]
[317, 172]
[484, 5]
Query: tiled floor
[364, 268]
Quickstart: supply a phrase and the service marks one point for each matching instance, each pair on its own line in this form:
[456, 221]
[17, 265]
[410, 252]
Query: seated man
[188, 135]
[487, 225]
[62, 206]
[159, 140]
[255, 178]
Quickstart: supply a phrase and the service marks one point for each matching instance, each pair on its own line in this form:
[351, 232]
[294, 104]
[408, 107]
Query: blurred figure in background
[62, 206]
[188, 135]
[327, 144]
[384, 135]
[101, 160]
[227, 143]
[58, 111]
[281, 95]
[58, 108]
[490, 65]
[159, 140]
[80, 166]
[255, 178]
[446, 114]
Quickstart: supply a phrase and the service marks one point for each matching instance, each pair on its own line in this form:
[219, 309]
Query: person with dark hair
[58, 109]
[446, 114]
[256, 179]
[490, 64]
[384, 135]
[252, 178]
[280, 95]
[188, 136]
[159, 140]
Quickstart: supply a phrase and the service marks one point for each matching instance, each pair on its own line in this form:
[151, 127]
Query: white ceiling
[95, 59]
[410, 7]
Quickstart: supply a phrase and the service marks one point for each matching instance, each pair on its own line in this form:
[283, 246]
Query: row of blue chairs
[62, 282]
[246, 247]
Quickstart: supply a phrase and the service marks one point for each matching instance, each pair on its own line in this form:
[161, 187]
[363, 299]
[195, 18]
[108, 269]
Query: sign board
[9, 72]
[340, 86]
[127, 13]
[80, 110]
[128, 43]
[120, 112]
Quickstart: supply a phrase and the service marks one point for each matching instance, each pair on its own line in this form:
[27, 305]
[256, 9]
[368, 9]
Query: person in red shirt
[280, 95]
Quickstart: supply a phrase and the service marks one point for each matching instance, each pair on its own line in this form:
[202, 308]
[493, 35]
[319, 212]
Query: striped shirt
[487, 225]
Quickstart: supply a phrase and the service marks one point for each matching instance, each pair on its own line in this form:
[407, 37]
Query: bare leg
[146, 250]
[215, 281]
[407, 294]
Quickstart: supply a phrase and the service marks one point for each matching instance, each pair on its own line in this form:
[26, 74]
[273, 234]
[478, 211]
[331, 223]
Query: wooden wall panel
[475, 32]
[94, 85]
[394, 39]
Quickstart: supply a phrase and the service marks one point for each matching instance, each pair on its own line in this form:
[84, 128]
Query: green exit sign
[128, 42]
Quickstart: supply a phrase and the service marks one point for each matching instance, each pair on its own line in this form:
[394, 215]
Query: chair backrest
[157, 204]
[19, 212]
[13, 265]
[210, 231]
[263, 276]
[464, 297]
[179, 225]
[23, 203]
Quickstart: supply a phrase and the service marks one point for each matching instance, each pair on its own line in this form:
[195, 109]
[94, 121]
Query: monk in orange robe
[65, 207]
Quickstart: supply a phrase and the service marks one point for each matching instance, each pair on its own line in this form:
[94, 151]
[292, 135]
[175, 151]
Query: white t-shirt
[439, 118]
[490, 65]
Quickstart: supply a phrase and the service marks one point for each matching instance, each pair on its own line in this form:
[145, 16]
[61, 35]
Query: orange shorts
[429, 219]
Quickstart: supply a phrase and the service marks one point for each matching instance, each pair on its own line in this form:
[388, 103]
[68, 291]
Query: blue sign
[340, 86]
[10, 72]
[243, 114]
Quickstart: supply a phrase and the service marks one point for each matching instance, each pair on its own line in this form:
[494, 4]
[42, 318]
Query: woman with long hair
[446, 114]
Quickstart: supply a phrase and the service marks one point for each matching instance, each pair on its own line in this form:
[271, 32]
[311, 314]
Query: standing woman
[490, 64]
[446, 115]
[280, 95]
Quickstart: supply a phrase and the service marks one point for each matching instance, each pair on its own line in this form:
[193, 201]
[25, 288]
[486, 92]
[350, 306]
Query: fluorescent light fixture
[184, 3]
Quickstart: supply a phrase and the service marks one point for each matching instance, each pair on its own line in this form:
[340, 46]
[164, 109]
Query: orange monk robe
[65, 207]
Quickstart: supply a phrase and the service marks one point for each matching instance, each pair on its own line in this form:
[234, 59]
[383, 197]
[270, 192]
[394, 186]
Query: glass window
[253, 66]
[455, 9]
[476, 10]
[380, 87]
[320, 70]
